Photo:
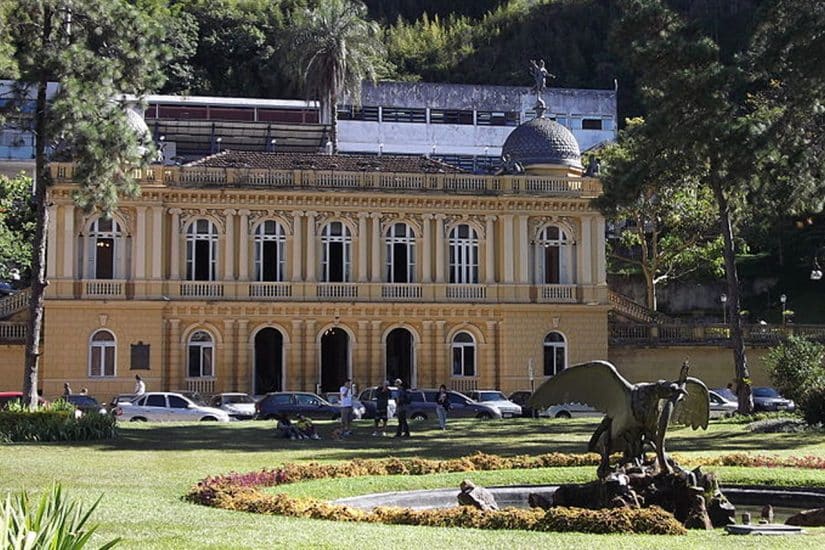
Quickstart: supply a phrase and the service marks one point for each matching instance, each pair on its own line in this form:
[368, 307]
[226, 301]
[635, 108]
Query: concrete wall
[12, 358]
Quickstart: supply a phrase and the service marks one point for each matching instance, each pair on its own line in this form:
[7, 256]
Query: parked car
[520, 398]
[368, 399]
[167, 407]
[308, 404]
[497, 399]
[423, 402]
[721, 406]
[238, 405]
[768, 399]
[570, 410]
[7, 289]
[86, 404]
[8, 397]
[358, 409]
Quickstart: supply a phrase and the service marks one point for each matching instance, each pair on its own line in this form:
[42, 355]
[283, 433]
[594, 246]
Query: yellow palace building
[260, 272]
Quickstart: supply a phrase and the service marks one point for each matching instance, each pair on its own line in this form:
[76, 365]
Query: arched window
[200, 355]
[337, 252]
[270, 251]
[464, 355]
[105, 249]
[463, 255]
[553, 253]
[400, 254]
[102, 354]
[201, 251]
[555, 352]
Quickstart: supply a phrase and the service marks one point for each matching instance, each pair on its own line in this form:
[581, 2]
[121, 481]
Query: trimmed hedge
[54, 425]
[240, 492]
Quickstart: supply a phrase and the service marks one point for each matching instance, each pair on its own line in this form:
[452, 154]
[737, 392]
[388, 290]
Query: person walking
[401, 403]
[140, 385]
[67, 389]
[382, 402]
[346, 407]
[442, 405]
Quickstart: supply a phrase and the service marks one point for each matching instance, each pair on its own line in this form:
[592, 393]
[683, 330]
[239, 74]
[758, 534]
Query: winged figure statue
[635, 414]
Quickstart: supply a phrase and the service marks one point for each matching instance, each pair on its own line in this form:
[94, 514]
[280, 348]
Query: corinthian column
[229, 246]
[312, 269]
[427, 249]
[297, 246]
[174, 247]
[243, 245]
[439, 248]
[362, 247]
[490, 257]
[376, 247]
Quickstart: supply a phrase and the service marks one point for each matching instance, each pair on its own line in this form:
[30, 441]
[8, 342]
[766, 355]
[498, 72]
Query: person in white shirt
[140, 386]
[346, 407]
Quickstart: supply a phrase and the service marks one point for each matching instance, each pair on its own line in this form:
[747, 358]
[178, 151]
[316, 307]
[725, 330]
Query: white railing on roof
[402, 181]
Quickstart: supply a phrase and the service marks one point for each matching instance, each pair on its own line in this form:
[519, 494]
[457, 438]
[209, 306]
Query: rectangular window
[270, 261]
[443, 116]
[497, 118]
[591, 124]
[104, 260]
[552, 265]
[336, 263]
[203, 271]
[396, 114]
[109, 361]
[457, 367]
[194, 361]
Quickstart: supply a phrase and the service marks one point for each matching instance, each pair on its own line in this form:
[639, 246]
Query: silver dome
[542, 141]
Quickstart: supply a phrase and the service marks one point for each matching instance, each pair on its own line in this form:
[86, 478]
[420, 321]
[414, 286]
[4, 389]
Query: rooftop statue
[635, 414]
[539, 73]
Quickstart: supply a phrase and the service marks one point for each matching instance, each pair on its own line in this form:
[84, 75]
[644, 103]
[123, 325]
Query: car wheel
[418, 417]
[484, 416]
[563, 414]
[209, 419]
[137, 419]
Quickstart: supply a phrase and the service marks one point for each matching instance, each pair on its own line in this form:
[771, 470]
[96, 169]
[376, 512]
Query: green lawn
[145, 472]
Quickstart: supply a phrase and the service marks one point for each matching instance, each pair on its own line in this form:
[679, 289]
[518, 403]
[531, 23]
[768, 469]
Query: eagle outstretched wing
[694, 408]
[596, 383]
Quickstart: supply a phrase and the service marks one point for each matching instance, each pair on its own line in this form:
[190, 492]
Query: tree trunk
[743, 378]
[650, 285]
[38, 280]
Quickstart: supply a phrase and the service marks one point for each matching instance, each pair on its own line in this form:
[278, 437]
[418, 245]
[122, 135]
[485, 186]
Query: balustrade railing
[466, 292]
[15, 302]
[464, 384]
[708, 334]
[203, 385]
[104, 288]
[557, 293]
[11, 332]
[270, 290]
[337, 291]
[201, 289]
[401, 291]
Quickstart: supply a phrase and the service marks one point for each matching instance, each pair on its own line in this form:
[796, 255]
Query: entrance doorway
[269, 361]
[334, 359]
[400, 356]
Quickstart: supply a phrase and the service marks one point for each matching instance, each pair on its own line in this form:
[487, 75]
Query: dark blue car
[308, 404]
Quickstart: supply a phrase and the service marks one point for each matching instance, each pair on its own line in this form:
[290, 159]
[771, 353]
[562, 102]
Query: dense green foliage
[54, 422]
[53, 522]
[16, 226]
[797, 370]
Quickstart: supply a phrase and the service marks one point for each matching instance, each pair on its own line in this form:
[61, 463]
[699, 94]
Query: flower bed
[240, 491]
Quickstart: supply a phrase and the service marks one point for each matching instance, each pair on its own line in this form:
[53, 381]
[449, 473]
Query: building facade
[259, 272]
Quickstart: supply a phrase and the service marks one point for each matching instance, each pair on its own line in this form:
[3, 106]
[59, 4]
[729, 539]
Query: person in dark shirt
[401, 403]
[382, 401]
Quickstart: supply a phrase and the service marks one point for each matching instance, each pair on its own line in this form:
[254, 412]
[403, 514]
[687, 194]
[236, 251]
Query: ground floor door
[334, 359]
[269, 361]
[400, 359]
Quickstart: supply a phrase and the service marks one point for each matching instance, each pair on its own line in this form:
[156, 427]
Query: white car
[720, 406]
[167, 407]
[570, 410]
[237, 405]
[497, 399]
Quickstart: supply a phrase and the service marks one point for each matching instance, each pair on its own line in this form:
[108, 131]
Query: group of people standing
[383, 394]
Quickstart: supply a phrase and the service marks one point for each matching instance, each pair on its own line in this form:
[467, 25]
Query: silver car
[570, 410]
[238, 405]
[167, 407]
[497, 399]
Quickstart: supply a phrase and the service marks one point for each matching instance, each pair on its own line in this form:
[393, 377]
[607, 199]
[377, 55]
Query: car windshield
[491, 396]
[726, 393]
[765, 392]
[240, 398]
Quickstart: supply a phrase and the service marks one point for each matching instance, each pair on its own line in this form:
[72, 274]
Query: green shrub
[813, 408]
[797, 370]
[54, 422]
[55, 522]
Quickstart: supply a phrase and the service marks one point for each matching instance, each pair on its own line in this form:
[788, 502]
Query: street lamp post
[783, 299]
[724, 299]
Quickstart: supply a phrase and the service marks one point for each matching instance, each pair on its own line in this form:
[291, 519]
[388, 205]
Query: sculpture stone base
[693, 497]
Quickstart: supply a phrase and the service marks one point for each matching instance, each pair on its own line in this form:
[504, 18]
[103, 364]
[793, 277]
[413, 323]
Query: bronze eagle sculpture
[635, 414]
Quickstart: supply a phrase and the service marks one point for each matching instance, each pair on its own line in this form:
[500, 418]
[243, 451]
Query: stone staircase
[632, 311]
[13, 332]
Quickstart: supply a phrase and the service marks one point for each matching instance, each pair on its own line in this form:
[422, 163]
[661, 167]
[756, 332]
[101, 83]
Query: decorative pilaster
[362, 247]
[297, 248]
[139, 258]
[376, 247]
[296, 363]
[174, 246]
[157, 242]
[230, 367]
[489, 251]
[243, 245]
[490, 375]
[523, 250]
[376, 361]
[439, 248]
[51, 242]
[598, 237]
[68, 242]
[229, 246]
[440, 349]
[426, 249]
[312, 269]
[585, 252]
[172, 375]
[362, 369]
[310, 370]
[508, 245]
[243, 370]
[427, 341]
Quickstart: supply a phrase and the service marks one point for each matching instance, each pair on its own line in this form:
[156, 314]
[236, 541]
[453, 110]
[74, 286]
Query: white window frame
[98, 348]
[193, 235]
[96, 236]
[564, 245]
[408, 239]
[260, 238]
[463, 255]
[202, 345]
[553, 347]
[327, 239]
[462, 346]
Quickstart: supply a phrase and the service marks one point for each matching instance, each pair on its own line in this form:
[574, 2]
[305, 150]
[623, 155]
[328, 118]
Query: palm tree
[334, 48]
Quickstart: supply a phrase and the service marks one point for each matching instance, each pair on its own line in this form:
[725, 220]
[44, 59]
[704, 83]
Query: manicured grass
[145, 472]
